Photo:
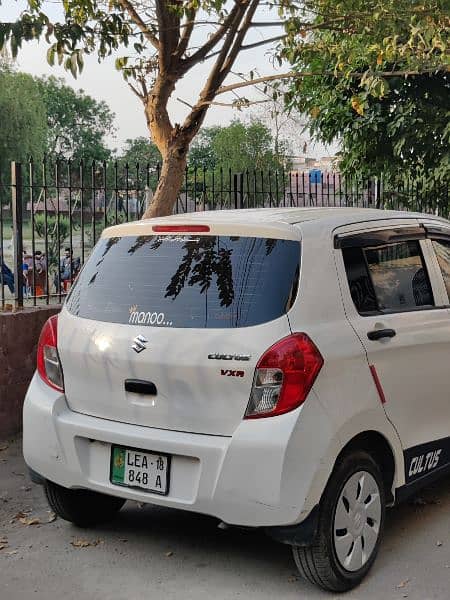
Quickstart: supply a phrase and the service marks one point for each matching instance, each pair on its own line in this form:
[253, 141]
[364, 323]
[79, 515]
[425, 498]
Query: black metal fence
[52, 213]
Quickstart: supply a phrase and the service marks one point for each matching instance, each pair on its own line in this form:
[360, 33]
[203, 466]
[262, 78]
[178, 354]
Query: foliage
[363, 43]
[360, 43]
[164, 41]
[238, 147]
[246, 148]
[140, 151]
[77, 123]
[201, 153]
[57, 233]
[135, 168]
[22, 120]
[242, 146]
[392, 124]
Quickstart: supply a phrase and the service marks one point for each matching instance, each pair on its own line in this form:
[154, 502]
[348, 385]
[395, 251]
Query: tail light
[284, 376]
[48, 363]
[180, 228]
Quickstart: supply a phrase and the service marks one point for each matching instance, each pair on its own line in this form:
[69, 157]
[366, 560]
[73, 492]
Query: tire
[339, 558]
[82, 507]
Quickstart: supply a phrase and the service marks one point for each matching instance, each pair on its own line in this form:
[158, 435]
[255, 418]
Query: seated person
[6, 275]
[40, 270]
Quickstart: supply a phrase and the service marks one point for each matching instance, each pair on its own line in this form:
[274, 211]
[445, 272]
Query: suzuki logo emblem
[139, 343]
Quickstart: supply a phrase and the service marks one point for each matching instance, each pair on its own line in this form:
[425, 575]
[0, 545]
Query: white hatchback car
[286, 369]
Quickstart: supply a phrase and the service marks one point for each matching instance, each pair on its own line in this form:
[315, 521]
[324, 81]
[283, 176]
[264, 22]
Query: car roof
[266, 218]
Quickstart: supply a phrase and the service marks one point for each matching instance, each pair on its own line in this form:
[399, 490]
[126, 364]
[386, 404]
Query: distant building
[307, 163]
[318, 182]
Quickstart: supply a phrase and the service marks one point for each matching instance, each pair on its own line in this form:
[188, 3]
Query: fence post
[17, 217]
[238, 189]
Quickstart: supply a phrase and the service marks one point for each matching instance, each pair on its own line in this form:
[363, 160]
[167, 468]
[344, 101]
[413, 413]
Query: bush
[55, 242]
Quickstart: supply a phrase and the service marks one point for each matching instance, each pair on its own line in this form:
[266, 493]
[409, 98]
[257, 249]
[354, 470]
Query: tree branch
[254, 45]
[230, 49]
[214, 79]
[239, 39]
[156, 113]
[238, 103]
[187, 32]
[126, 5]
[214, 39]
[294, 75]
[135, 91]
[169, 28]
[267, 23]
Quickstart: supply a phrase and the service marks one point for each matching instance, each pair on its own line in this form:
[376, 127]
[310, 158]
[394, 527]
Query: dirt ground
[151, 553]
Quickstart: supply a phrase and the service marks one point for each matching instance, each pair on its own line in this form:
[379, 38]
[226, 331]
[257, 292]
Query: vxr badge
[139, 343]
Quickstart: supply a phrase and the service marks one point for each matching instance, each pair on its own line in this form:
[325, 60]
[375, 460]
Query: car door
[395, 300]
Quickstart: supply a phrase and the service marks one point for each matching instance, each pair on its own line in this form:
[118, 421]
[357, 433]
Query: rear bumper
[246, 479]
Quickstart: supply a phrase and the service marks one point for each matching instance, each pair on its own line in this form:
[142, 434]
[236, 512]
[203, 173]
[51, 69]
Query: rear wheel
[82, 507]
[350, 526]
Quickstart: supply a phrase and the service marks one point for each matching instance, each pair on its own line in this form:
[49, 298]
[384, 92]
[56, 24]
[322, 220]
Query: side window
[361, 288]
[389, 278]
[442, 249]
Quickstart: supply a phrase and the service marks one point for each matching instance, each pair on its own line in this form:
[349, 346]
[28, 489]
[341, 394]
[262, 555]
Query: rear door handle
[140, 386]
[378, 334]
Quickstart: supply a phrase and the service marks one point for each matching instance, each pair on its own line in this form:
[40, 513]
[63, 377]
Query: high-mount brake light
[48, 363]
[284, 376]
[180, 228]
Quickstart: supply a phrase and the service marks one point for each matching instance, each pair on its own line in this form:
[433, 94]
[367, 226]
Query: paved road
[151, 553]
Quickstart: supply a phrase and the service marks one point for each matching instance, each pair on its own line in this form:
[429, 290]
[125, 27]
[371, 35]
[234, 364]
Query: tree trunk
[169, 184]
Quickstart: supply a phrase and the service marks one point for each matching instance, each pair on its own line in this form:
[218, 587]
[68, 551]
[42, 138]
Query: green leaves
[77, 123]
[23, 133]
[399, 125]
[121, 62]
[51, 56]
[369, 37]
[88, 26]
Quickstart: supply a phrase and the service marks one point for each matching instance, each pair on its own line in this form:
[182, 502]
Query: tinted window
[442, 249]
[187, 281]
[361, 288]
[388, 278]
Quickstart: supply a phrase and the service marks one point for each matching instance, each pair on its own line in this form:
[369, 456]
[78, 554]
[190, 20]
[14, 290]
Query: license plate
[138, 469]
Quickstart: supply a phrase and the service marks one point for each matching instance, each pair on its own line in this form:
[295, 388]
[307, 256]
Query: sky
[104, 82]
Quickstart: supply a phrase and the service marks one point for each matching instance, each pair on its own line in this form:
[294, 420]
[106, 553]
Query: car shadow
[197, 537]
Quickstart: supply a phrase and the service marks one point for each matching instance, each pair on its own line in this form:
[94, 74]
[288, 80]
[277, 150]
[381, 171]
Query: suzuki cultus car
[281, 369]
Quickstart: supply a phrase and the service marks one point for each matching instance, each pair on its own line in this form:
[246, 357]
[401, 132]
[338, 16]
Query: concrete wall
[19, 335]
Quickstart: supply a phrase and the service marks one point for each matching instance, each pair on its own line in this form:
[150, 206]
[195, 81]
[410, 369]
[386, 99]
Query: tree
[170, 38]
[241, 148]
[166, 49]
[137, 166]
[56, 232]
[286, 124]
[140, 151]
[408, 129]
[201, 153]
[77, 123]
[399, 126]
[22, 120]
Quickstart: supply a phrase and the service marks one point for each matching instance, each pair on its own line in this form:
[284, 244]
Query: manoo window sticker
[142, 317]
[159, 239]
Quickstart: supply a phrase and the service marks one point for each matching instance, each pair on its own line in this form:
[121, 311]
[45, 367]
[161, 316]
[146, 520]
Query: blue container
[315, 176]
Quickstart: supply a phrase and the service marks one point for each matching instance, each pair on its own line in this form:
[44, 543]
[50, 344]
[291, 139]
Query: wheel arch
[376, 444]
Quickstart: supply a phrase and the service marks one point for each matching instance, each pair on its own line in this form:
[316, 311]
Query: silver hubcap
[357, 521]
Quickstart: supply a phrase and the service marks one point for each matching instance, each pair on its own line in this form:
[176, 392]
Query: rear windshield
[187, 281]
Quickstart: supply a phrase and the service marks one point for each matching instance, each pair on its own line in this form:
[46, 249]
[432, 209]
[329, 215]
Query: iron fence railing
[52, 213]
